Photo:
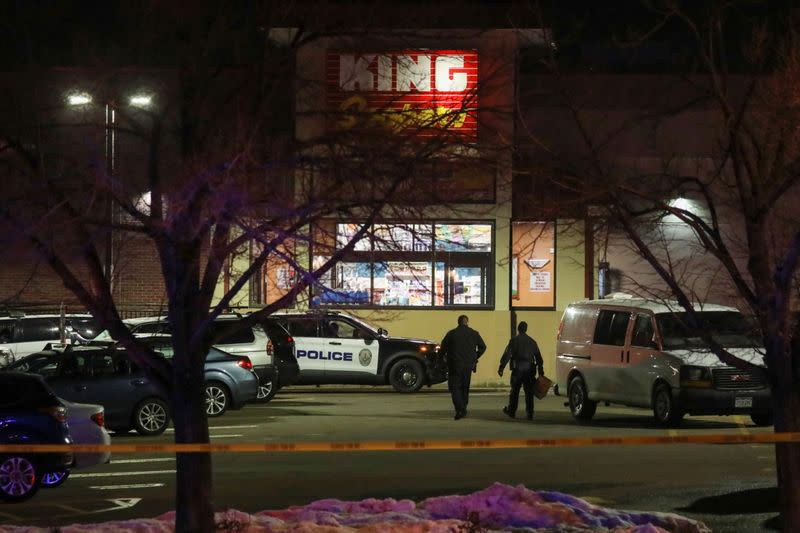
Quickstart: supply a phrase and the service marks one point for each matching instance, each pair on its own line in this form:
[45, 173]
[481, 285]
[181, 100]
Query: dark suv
[338, 348]
[30, 413]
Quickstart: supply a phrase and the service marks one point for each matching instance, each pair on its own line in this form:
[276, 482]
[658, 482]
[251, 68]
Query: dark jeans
[523, 380]
[458, 383]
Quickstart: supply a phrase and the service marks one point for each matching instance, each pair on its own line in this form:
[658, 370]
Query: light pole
[110, 153]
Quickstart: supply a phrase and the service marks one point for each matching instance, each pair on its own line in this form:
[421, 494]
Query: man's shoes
[529, 416]
[508, 413]
[460, 415]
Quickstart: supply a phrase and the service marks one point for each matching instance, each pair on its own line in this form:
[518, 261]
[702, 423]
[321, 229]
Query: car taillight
[57, 412]
[99, 418]
[245, 363]
[270, 348]
[424, 348]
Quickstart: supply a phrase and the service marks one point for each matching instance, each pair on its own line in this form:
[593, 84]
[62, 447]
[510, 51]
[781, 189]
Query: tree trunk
[787, 456]
[194, 489]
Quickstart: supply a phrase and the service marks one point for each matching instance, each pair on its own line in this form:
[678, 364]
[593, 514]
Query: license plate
[746, 401]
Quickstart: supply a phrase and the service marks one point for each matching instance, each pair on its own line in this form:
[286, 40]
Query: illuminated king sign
[414, 91]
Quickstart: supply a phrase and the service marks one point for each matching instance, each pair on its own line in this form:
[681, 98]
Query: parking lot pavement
[659, 477]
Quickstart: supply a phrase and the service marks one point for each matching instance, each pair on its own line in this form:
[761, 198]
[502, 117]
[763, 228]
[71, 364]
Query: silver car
[86, 424]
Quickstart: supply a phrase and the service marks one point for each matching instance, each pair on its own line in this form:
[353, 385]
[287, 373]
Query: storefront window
[347, 283]
[346, 232]
[399, 283]
[403, 237]
[533, 264]
[464, 237]
[411, 265]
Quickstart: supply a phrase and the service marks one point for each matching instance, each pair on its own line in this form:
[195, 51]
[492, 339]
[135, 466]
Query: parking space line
[211, 428]
[132, 486]
[225, 436]
[741, 425]
[135, 461]
[119, 474]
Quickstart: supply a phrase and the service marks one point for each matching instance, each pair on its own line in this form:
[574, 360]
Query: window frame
[512, 256]
[433, 256]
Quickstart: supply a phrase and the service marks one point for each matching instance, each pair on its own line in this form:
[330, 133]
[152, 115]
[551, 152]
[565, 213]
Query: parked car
[338, 348]
[105, 376]
[642, 353]
[25, 334]
[86, 424]
[252, 342]
[231, 381]
[31, 414]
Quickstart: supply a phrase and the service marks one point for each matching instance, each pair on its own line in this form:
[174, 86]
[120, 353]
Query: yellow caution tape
[370, 446]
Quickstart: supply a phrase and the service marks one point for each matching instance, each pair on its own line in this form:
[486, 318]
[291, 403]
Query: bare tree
[737, 176]
[214, 170]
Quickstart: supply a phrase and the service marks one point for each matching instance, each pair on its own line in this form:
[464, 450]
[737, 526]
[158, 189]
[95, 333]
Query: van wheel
[763, 419]
[582, 407]
[666, 412]
[406, 375]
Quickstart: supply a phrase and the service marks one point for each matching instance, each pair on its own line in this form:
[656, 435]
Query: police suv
[337, 348]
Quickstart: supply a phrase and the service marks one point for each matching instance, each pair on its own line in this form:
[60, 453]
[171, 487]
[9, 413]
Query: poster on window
[540, 282]
[533, 265]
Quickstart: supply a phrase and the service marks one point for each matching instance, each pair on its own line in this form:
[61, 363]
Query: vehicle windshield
[364, 325]
[730, 329]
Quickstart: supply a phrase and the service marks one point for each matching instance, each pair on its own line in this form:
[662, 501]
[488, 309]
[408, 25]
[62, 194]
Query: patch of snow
[496, 509]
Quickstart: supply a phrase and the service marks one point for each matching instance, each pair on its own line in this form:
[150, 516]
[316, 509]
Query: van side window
[643, 332]
[611, 327]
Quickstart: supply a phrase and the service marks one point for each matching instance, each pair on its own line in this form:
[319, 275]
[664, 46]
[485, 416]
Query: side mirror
[382, 332]
[369, 340]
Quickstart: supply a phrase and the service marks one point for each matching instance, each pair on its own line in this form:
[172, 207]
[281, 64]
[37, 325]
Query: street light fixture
[141, 100]
[79, 99]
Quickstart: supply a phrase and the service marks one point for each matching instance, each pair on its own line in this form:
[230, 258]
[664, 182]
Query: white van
[639, 352]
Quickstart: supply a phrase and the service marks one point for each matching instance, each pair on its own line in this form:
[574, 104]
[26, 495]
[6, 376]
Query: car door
[637, 375]
[70, 377]
[349, 349]
[308, 348]
[112, 385]
[608, 354]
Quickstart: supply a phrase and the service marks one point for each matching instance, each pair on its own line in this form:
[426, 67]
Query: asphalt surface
[729, 487]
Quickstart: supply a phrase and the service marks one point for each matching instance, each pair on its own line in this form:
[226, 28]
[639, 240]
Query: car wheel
[151, 417]
[54, 479]
[217, 399]
[19, 479]
[763, 419]
[580, 405]
[266, 390]
[406, 375]
[666, 412]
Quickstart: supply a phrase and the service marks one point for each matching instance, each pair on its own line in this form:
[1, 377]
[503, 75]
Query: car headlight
[695, 376]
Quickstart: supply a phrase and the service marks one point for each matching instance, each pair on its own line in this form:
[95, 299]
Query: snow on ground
[499, 508]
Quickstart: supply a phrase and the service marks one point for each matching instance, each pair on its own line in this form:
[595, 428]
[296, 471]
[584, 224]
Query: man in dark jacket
[462, 347]
[524, 355]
